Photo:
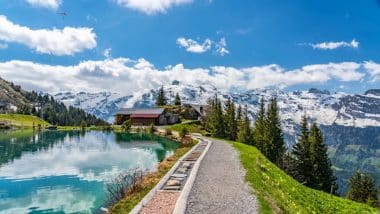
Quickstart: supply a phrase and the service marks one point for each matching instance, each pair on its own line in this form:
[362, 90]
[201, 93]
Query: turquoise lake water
[67, 172]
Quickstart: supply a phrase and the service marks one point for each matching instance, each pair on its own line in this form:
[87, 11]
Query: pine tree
[275, 145]
[322, 171]
[219, 120]
[230, 120]
[216, 123]
[239, 115]
[259, 129]
[177, 100]
[302, 157]
[244, 134]
[161, 97]
[362, 189]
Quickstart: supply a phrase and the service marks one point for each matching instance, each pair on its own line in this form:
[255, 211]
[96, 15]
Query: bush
[152, 129]
[168, 132]
[184, 131]
[126, 125]
[83, 125]
[187, 142]
[124, 184]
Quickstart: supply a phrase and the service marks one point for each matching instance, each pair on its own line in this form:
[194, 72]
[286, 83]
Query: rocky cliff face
[11, 96]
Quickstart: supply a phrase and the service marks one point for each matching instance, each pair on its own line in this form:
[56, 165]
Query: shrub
[83, 125]
[187, 142]
[124, 184]
[184, 131]
[126, 125]
[152, 129]
[168, 132]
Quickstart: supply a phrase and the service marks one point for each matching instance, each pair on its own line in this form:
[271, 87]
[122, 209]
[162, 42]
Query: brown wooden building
[140, 116]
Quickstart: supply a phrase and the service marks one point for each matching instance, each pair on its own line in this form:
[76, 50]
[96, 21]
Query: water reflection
[66, 171]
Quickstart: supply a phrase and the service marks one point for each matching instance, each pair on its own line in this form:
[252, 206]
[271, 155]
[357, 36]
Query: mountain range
[350, 122]
[323, 107]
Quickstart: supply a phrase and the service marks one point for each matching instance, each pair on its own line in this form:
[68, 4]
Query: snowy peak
[320, 105]
[103, 104]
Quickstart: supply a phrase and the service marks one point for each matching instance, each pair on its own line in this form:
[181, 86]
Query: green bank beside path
[277, 192]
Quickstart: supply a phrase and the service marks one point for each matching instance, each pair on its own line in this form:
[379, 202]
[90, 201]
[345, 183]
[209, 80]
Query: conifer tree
[275, 145]
[219, 122]
[244, 134]
[216, 119]
[259, 129]
[323, 174]
[362, 189]
[239, 115]
[177, 100]
[230, 120]
[302, 157]
[161, 97]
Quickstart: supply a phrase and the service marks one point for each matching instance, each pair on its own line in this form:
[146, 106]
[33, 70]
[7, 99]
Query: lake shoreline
[151, 179]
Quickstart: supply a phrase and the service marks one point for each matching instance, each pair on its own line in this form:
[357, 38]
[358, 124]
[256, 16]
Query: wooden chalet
[140, 116]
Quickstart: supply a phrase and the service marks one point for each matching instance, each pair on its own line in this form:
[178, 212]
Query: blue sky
[293, 45]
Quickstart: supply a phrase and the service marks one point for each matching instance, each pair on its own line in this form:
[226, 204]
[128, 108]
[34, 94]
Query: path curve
[219, 186]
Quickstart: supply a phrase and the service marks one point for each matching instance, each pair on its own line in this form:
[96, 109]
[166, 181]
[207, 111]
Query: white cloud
[151, 6]
[50, 4]
[107, 53]
[193, 46]
[334, 45]
[221, 47]
[196, 47]
[128, 76]
[66, 41]
[374, 70]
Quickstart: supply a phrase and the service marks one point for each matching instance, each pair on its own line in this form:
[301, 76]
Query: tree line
[55, 112]
[307, 161]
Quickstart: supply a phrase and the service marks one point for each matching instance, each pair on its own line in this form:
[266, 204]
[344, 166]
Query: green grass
[277, 192]
[192, 126]
[23, 121]
[26, 121]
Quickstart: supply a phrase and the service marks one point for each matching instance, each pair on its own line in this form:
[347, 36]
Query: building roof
[140, 111]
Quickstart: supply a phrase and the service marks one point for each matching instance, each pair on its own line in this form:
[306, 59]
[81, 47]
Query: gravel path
[161, 203]
[219, 186]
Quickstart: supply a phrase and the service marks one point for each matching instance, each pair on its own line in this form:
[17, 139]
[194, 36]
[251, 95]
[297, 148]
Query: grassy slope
[22, 120]
[191, 126]
[278, 192]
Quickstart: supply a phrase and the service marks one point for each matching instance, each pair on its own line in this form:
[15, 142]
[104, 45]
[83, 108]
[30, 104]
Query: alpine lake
[68, 171]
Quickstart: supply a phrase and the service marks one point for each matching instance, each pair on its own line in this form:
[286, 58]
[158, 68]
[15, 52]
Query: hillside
[278, 192]
[12, 94]
[13, 99]
[20, 120]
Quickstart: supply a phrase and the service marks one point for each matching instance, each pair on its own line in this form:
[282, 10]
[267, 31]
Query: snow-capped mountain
[321, 106]
[103, 104]
[350, 122]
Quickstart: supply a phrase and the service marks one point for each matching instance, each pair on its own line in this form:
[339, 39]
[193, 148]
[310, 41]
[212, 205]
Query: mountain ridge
[350, 122]
[323, 107]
